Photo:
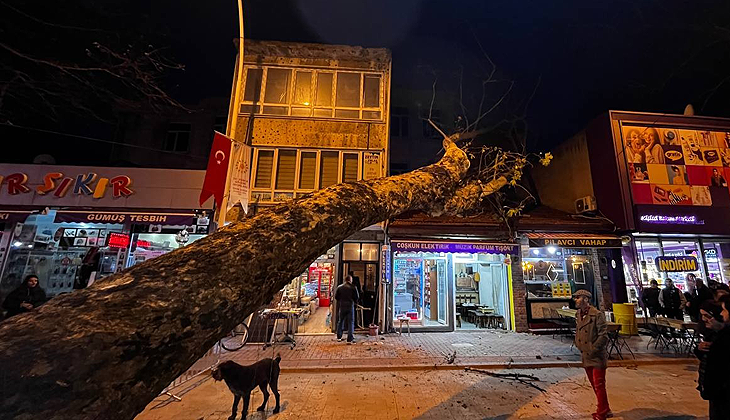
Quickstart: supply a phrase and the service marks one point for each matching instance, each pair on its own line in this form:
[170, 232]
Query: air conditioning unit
[585, 204]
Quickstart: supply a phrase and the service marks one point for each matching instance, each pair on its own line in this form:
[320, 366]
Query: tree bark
[106, 351]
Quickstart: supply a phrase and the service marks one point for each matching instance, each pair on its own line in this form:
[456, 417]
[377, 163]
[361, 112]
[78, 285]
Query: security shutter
[328, 169]
[264, 165]
[307, 170]
[349, 167]
[286, 169]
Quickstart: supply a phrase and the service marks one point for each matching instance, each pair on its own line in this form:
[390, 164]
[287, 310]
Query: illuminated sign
[471, 248]
[118, 240]
[660, 219]
[576, 242]
[676, 263]
[59, 185]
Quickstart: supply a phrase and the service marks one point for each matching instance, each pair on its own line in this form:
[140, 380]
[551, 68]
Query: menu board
[677, 167]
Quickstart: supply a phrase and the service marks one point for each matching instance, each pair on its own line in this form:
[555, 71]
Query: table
[683, 341]
[277, 314]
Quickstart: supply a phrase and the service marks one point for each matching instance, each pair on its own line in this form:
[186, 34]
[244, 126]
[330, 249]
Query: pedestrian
[650, 297]
[357, 284]
[346, 295]
[698, 296]
[716, 383]
[25, 297]
[708, 327]
[672, 301]
[591, 338]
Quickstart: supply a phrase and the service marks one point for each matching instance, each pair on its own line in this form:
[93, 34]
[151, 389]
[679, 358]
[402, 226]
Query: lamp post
[233, 114]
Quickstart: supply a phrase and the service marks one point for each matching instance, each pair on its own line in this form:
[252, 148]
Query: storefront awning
[573, 240]
[464, 247]
[13, 216]
[151, 218]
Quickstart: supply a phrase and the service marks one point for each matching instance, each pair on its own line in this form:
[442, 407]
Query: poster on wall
[677, 167]
[370, 165]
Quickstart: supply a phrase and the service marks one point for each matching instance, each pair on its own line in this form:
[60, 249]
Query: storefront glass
[552, 274]
[652, 251]
[70, 255]
[430, 287]
[717, 257]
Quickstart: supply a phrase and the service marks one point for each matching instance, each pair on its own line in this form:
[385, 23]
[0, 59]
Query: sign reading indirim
[671, 220]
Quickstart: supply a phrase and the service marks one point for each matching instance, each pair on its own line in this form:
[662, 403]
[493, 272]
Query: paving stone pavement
[664, 392]
[427, 349]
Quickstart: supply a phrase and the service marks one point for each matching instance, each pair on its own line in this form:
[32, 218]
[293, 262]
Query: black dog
[241, 380]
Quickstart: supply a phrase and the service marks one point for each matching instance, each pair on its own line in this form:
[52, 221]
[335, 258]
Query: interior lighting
[552, 249]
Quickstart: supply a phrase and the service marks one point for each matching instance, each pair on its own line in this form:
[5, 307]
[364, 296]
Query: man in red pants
[591, 339]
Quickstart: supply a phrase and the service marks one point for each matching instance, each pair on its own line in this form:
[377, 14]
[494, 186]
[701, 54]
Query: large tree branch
[104, 352]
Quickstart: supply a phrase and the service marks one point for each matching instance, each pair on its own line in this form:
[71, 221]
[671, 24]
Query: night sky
[580, 58]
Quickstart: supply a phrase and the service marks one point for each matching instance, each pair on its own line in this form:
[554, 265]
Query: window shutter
[307, 168]
[264, 165]
[285, 169]
[328, 169]
[349, 167]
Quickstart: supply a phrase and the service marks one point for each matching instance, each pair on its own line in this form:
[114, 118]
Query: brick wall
[519, 293]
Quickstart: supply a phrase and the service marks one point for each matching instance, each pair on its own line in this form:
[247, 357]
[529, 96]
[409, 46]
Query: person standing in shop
[357, 284]
[25, 298]
[650, 297]
[672, 301]
[346, 296]
[591, 338]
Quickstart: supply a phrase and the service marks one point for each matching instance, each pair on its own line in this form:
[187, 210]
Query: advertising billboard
[676, 167]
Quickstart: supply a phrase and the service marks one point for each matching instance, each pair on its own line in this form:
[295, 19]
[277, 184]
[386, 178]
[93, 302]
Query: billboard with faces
[672, 166]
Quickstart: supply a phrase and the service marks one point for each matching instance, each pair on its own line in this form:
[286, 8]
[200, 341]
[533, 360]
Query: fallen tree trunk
[106, 351]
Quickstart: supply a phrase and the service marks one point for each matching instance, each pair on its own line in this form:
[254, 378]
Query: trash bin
[625, 314]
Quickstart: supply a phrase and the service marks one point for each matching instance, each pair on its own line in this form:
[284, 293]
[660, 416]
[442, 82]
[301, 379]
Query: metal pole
[233, 112]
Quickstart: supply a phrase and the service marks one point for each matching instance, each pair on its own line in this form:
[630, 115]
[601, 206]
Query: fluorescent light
[536, 251]
[17, 243]
[552, 249]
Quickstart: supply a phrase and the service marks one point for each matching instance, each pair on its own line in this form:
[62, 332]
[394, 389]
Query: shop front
[71, 226]
[443, 286]
[556, 265]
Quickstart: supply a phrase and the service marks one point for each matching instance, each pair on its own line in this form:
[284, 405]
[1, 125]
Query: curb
[494, 365]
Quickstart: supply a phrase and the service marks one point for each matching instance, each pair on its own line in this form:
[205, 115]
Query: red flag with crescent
[217, 172]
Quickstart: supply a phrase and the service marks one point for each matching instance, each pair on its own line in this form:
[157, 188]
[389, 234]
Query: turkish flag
[217, 172]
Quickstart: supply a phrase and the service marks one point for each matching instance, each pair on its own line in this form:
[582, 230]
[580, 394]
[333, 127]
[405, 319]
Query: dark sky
[588, 56]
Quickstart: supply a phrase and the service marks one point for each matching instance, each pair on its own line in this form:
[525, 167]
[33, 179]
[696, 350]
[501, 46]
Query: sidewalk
[488, 348]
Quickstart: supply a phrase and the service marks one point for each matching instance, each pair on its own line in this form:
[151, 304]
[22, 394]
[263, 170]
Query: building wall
[519, 294]
[568, 177]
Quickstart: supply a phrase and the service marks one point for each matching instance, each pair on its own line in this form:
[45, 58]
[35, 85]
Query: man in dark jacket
[700, 294]
[672, 301]
[591, 338]
[25, 298]
[650, 297]
[346, 295]
[716, 381]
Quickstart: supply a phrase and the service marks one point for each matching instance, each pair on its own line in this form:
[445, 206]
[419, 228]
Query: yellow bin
[625, 314]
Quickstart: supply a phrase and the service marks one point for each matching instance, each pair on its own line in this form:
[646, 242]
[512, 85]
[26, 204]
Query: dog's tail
[277, 359]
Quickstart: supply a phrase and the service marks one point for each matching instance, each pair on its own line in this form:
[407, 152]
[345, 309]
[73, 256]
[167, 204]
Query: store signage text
[385, 261]
[473, 248]
[660, 219]
[676, 263]
[577, 242]
[119, 218]
[59, 185]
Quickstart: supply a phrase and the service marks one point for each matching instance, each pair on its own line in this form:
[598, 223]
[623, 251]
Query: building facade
[662, 180]
[317, 115]
[71, 225]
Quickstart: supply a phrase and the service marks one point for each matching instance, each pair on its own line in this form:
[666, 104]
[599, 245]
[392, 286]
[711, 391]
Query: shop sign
[577, 242]
[471, 248]
[121, 218]
[13, 216]
[118, 240]
[58, 184]
[676, 263]
[660, 219]
[385, 263]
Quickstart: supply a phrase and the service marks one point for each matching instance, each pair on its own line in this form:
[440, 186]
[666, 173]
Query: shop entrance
[482, 292]
[365, 278]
